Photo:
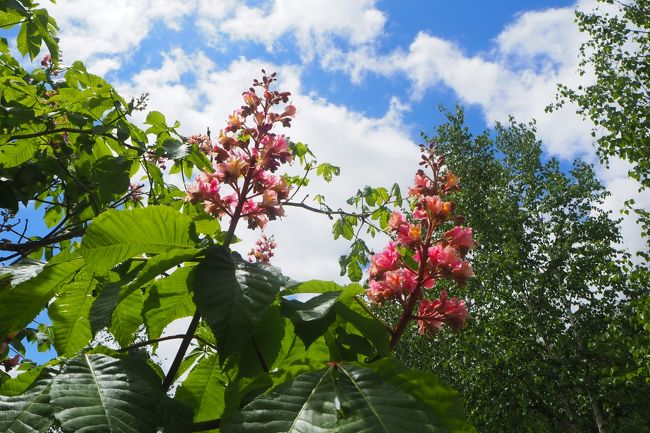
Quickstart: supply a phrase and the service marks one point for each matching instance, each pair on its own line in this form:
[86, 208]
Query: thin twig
[169, 337]
[73, 131]
[20, 248]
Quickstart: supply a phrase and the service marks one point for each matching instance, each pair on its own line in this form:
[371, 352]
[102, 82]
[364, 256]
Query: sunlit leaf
[232, 295]
[116, 236]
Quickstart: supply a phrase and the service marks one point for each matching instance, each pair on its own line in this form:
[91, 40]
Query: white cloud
[312, 23]
[102, 33]
[510, 82]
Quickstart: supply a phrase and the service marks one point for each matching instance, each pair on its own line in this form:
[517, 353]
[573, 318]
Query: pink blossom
[408, 234]
[432, 314]
[251, 99]
[443, 257]
[254, 214]
[460, 238]
[46, 61]
[378, 292]
[387, 260]
[431, 318]
[10, 363]
[282, 189]
[461, 272]
[396, 220]
[289, 111]
[275, 151]
[422, 184]
[420, 214]
[263, 250]
[401, 281]
[201, 141]
[436, 207]
[269, 198]
[227, 142]
[452, 182]
[230, 170]
[234, 122]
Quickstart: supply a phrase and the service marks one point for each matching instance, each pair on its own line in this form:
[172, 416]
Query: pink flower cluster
[421, 252]
[241, 184]
[432, 314]
[263, 250]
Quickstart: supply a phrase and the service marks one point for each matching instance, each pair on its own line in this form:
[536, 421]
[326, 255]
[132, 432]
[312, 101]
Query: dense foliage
[121, 261]
[617, 52]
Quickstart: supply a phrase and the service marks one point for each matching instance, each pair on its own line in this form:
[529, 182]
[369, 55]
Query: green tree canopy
[618, 102]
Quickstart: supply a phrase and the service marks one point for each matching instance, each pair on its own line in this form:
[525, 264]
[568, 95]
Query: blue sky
[366, 77]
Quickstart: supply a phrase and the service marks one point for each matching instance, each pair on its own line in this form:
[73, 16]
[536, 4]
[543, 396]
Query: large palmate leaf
[20, 304]
[232, 295]
[96, 392]
[101, 312]
[158, 264]
[127, 318]
[342, 398]
[429, 389]
[115, 236]
[204, 389]
[70, 314]
[313, 317]
[30, 411]
[168, 300]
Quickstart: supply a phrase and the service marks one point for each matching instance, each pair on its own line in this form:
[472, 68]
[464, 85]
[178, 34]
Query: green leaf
[15, 154]
[158, 264]
[371, 328]
[43, 23]
[327, 171]
[266, 343]
[19, 305]
[70, 315]
[29, 40]
[313, 286]
[96, 392]
[168, 300]
[204, 389]
[115, 236]
[343, 398]
[30, 411]
[19, 384]
[101, 312]
[111, 175]
[8, 198]
[156, 118]
[311, 318]
[127, 317]
[232, 295]
[428, 389]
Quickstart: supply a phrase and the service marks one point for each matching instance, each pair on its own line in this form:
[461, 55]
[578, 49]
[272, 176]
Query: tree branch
[169, 337]
[73, 131]
[41, 242]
